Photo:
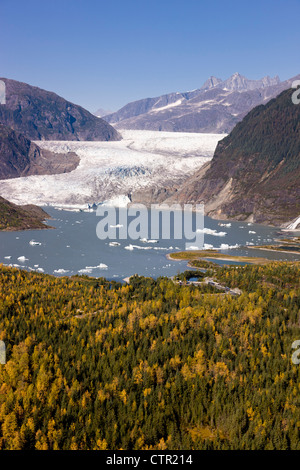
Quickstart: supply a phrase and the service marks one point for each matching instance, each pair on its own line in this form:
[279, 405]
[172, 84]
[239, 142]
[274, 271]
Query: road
[212, 282]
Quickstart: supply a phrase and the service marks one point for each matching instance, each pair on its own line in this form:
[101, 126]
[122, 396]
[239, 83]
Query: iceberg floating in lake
[33, 243]
[131, 247]
[22, 259]
[114, 244]
[225, 246]
[145, 240]
[209, 231]
[100, 266]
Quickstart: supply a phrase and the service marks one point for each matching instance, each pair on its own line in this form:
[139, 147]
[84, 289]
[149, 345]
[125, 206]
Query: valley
[140, 165]
[149, 231]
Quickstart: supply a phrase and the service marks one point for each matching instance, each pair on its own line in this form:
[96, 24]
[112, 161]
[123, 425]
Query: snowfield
[142, 160]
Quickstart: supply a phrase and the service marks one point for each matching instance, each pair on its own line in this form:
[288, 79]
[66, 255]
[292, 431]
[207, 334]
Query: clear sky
[107, 53]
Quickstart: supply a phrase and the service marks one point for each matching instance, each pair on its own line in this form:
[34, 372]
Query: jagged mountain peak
[211, 82]
[238, 82]
[216, 107]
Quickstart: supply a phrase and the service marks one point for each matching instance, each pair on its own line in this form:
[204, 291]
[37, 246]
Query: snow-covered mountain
[211, 83]
[238, 82]
[215, 107]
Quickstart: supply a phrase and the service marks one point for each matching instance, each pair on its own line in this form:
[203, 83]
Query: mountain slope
[102, 112]
[21, 157]
[13, 217]
[254, 174]
[43, 115]
[216, 107]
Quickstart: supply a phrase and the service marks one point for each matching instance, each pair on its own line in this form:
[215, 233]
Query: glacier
[110, 171]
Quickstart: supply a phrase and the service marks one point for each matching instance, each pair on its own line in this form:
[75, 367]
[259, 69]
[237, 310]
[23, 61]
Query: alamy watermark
[2, 92]
[2, 353]
[161, 221]
[296, 94]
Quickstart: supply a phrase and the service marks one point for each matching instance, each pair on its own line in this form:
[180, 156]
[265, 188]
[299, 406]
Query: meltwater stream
[74, 248]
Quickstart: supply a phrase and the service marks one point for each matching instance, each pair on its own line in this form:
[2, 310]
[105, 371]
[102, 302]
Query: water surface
[73, 248]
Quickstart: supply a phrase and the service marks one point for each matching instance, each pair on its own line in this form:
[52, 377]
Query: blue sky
[107, 53]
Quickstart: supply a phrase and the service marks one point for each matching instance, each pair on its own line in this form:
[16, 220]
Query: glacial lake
[73, 247]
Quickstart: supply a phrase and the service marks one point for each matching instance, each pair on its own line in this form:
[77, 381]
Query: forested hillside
[150, 365]
[28, 217]
[254, 174]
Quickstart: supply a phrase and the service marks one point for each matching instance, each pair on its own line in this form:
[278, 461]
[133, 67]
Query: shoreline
[274, 250]
[26, 229]
[202, 255]
[168, 256]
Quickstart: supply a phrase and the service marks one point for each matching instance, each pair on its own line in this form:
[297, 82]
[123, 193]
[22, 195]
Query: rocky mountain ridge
[254, 174]
[21, 157]
[216, 107]
[43, 115]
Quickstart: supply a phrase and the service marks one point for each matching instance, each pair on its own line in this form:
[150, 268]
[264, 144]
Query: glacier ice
[108, 170]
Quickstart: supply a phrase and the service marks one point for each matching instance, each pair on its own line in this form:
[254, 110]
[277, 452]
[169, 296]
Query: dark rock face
[216, 107]
[254, 174]
[43, 115]
[21, 157]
